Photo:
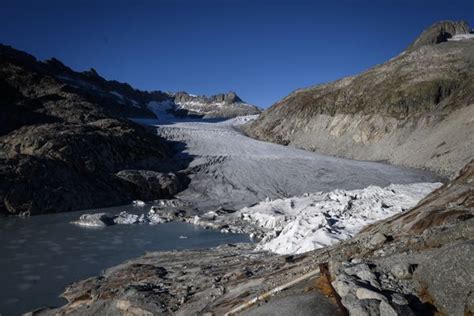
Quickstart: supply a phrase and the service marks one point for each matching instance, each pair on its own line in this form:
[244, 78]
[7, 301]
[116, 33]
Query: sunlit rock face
[224, 105]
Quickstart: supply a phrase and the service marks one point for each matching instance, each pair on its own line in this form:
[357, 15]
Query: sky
[263, 50]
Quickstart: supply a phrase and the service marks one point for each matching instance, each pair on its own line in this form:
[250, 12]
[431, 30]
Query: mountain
[65, 143]
[216, 106]
[64, 148]
[136, 103]
[414, 110]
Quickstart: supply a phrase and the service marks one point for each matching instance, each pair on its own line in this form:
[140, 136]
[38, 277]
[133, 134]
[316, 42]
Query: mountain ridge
[414, 110]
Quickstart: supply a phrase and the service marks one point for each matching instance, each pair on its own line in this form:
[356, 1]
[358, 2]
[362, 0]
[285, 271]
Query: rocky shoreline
[383, 270]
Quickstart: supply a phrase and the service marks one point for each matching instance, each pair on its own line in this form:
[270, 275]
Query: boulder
[366, 294]
[447, 277]
[377, 240]
[402, 270]
[356, 307]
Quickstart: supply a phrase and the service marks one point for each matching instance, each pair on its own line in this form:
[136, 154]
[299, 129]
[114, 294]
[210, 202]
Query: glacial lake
[42, 254]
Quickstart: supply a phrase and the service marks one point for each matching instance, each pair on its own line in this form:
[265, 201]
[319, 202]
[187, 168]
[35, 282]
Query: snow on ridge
[115, 93]
[238, 120]
[122, 99]
[135, 103]
[198, 106]
[300, 224]
[461, 37]
[160, 109]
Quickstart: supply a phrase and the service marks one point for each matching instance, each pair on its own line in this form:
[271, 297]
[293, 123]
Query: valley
[356, 194]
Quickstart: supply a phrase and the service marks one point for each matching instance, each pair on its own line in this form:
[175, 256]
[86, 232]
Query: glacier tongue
[232, 170]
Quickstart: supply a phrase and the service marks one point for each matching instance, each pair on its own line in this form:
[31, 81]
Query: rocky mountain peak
[229, 97]
[440, 32]
[8, 53]
[350, 117]
[92, 73]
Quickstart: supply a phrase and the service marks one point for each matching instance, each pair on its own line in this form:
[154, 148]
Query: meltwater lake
[40, 255]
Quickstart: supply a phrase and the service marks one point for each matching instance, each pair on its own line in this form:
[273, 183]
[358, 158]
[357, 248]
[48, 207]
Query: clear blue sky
[263, 50]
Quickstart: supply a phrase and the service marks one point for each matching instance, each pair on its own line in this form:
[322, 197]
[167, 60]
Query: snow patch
[135, 103]
[160, 109]
[461, 37]
[239, 120]
[118, 95]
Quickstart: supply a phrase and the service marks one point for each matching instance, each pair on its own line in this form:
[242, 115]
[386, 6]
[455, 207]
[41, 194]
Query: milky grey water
[42, 254]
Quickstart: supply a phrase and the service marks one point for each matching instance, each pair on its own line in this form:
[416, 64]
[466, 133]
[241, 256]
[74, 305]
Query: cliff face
[223, 105]
[63, 148]
[126, 101]
[415, 110]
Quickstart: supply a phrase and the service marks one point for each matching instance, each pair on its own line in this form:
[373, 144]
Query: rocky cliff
[64, 148]
[127, 101]
[415, 110]
[216, 106]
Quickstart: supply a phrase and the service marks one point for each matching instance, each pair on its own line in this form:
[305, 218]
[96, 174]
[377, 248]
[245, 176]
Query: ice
[138, 203]
[126, 218]
[160, 109]
[198, 106]
[232, 170]
[322, 219]
[123, 218]
[267, 185]
[95, 220]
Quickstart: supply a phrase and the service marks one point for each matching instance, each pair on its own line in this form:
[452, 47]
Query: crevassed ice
[322, 219]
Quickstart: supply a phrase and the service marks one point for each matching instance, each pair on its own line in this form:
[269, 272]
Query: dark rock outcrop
[150, 184]
[61, 146]
[415, 110]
